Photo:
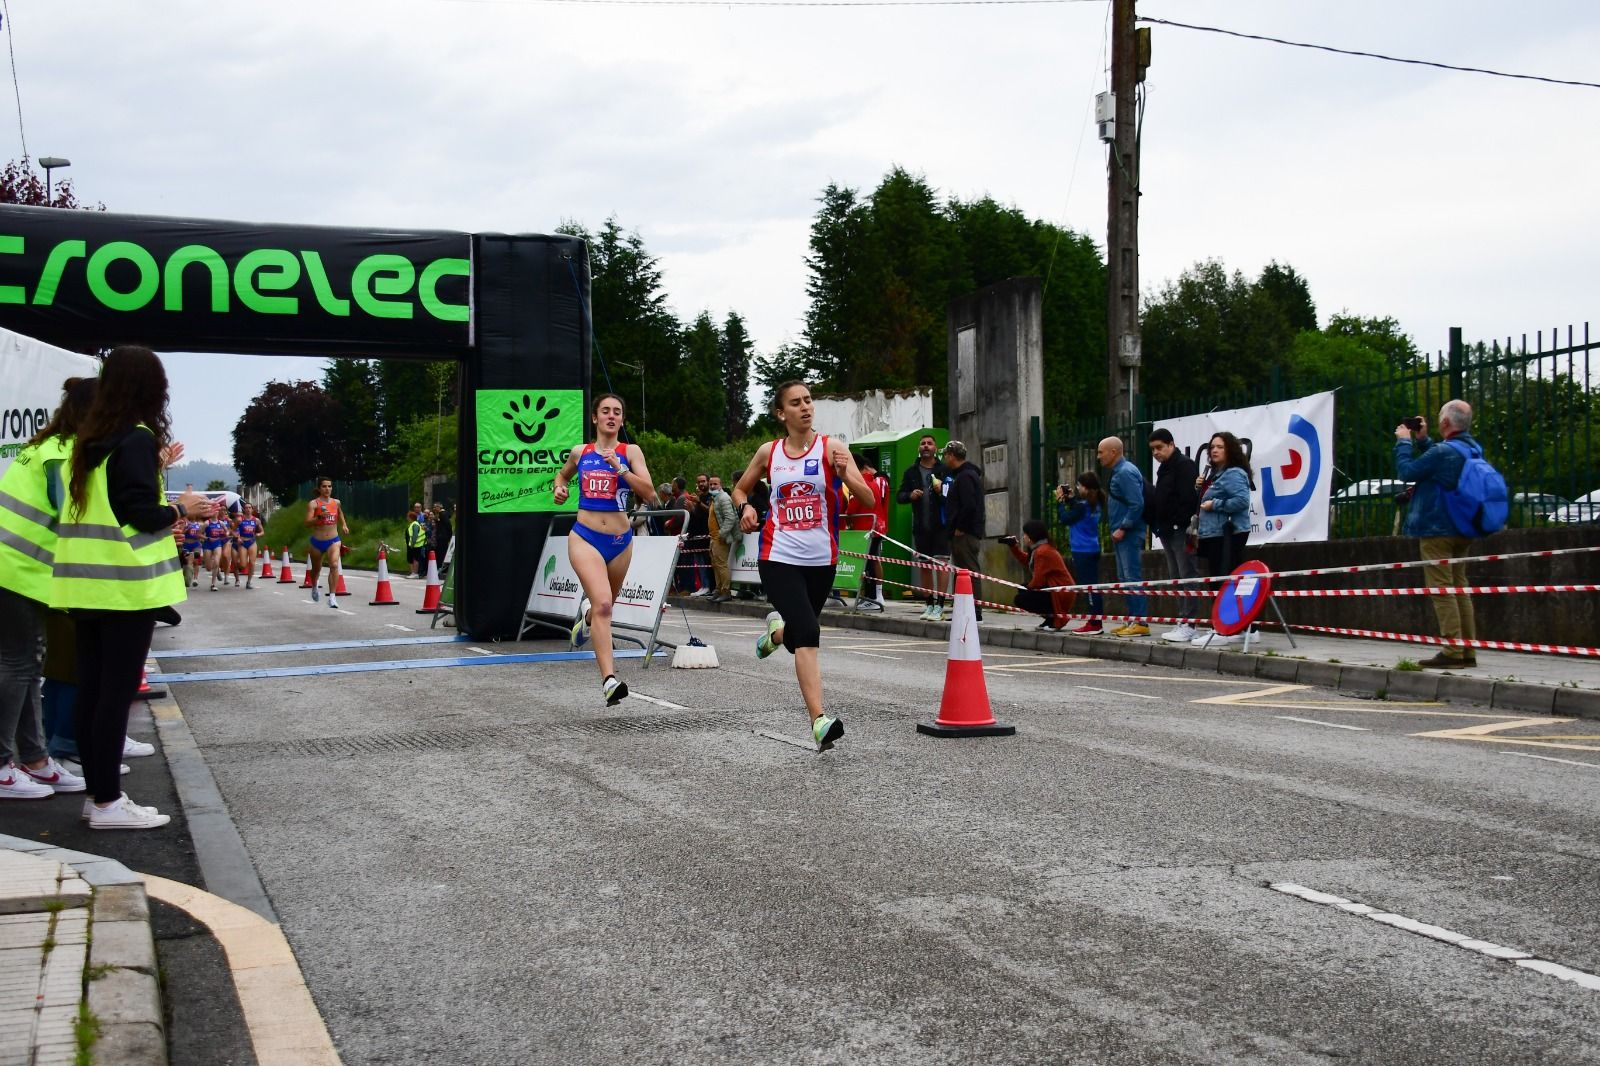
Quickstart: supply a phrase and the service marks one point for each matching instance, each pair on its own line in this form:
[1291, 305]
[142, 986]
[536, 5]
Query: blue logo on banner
[812, 467]
[1311, 464]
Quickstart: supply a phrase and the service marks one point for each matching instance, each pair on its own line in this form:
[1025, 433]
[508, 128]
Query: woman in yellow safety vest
[116, 566]
[30, 501]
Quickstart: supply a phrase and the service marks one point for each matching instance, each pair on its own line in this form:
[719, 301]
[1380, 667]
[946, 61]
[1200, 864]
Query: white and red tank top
[601, 488]
[802, 526]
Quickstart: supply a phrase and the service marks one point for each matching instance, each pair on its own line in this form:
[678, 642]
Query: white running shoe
[17, 785]
[702, 592]
[136, 749]
[125, 814]
[88, 807]
[1217, 640]
[1182, 633]
[333, 601]
[56, 776]
[316, 594]
[76, 769]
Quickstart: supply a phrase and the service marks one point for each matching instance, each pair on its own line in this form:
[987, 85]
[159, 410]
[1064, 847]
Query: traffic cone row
[964, 709]
[430, 597]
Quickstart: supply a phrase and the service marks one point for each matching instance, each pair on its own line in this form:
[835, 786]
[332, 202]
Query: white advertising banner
[743, 560]
[31, 373]
[1290, 447]
[556, 591]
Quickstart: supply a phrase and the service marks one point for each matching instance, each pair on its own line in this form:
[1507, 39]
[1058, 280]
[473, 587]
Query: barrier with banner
[31, 373]
[556, 594]
[1290, 447]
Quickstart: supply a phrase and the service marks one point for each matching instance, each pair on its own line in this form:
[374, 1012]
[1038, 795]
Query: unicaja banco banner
[1290, 447]
[203, 286]
[524, 436]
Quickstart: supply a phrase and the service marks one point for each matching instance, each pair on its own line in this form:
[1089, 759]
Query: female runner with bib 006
[601, 545]
[800, 539]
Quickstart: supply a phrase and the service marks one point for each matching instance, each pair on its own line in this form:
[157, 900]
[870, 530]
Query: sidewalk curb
[1376, 680]
[125, 991]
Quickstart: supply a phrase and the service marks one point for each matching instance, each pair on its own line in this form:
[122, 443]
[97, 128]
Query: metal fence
[365, 499]
[1536, 411]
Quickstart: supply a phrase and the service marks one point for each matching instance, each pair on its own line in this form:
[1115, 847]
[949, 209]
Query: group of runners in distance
[228, 544]
[806, 471]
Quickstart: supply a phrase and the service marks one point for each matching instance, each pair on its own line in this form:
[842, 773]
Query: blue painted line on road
[326, 645]
[396, 664]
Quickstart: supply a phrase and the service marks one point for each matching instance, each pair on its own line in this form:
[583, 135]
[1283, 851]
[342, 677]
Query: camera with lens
[1008, 541]
[1414, 423]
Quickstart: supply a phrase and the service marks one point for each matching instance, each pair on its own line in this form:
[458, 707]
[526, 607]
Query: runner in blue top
[601, 544]
[191, 553]
[250, 528]
[216, 534]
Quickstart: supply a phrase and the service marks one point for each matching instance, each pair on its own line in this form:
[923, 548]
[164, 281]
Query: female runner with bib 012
[800, 539]
[601, 544]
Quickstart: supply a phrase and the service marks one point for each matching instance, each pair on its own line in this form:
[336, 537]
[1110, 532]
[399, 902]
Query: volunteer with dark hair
[1224, 512]
[1173, 504]
[601, 544]
[919, 487]
[1046, 570]
[116, 566]
[1082, 520]
[799, 539]
[30, 503]
[1436, 470]
[325, 517]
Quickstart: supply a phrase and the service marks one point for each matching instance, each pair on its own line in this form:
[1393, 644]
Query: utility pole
[1130, 55]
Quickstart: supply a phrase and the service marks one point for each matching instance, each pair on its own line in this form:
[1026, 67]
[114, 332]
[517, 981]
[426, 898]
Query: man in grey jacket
[723, 525]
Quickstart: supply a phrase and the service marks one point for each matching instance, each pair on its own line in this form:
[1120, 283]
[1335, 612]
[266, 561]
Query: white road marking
[403, 629]
[1546, 758]
[1119, 692]
[1447, 936]
[875, 655]
[1330, 725]
[657, 701]
[480, 651]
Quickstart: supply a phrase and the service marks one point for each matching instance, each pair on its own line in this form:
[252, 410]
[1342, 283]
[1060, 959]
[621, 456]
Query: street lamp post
[643, 424]
[51, 162]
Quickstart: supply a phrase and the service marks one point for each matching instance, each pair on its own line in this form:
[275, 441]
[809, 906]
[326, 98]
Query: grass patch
[86, 1032]
[1336, 660]
[97, 971]
[287, 527]
[1408, 664]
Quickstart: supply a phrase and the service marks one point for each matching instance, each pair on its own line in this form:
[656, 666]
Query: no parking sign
[1243, 596]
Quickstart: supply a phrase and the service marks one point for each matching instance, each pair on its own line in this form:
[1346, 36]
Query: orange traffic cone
[266, 564]
[341, 590]
[285, 575]
[430, 597]
[146, 692]
[384, 597]
[306, 583]
[964, 709]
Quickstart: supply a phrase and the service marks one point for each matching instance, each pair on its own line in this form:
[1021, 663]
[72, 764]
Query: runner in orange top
[326, 518]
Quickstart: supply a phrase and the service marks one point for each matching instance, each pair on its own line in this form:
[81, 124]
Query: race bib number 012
[600, 484]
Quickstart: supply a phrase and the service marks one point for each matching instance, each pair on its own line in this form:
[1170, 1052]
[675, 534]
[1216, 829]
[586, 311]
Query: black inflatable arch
[509, 307]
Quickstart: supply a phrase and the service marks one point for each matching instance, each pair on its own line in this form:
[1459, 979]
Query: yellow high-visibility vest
[28, 520]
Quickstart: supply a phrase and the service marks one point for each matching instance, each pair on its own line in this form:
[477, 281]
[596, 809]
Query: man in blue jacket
[1125, 508]
[1436, 468]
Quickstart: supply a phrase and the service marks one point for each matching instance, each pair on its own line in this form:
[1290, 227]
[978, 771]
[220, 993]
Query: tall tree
[736, 357]
[285, 436]
[354, 386]
[699, 402]
[1285, 287]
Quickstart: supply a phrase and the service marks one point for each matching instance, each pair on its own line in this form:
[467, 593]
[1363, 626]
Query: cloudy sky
[1439, 198]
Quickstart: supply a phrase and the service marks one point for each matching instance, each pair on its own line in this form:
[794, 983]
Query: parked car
[1585, 508]
[1536, 504]
[1381, 488]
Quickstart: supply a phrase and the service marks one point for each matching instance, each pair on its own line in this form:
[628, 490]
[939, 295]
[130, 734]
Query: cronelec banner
[1290, 445]
[31, 373]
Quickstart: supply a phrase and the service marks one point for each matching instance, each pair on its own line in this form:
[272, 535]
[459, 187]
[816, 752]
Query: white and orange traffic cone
[964, 709]
[266, 564]
[430, 597]
[146, 692]
[285, 575]
[384, 597]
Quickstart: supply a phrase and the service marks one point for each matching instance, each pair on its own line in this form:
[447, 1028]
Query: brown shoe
[1442, 661]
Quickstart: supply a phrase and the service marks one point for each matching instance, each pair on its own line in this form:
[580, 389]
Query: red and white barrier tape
[1466, 590]
[1414, 638]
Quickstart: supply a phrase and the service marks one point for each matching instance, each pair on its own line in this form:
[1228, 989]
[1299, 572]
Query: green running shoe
[827, 730]
[765, 644]
[580, 628]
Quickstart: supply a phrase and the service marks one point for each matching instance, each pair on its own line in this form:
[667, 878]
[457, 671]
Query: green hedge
[287, 527]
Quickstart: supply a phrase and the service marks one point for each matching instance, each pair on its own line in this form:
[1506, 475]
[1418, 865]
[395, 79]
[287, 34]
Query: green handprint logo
[549, 567]
[529, 420]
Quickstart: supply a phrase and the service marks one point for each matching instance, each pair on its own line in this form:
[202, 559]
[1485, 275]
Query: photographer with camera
[1046, 570]
[1437, 470]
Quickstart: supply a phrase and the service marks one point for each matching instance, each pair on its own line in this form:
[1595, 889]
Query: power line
[777, 3]
[5, 9]
[1369, 55]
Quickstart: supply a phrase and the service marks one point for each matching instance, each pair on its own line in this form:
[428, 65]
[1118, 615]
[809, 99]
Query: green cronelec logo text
[379, 285]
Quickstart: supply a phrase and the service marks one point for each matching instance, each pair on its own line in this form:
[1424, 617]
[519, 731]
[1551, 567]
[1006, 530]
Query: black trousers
[1222, 554]
[964, 555]
[112, 646]
[1035, 602]
[798, 593]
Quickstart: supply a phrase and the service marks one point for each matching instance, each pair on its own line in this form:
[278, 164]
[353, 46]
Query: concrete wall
[1553, 618]
[996, 347]
[852, 416]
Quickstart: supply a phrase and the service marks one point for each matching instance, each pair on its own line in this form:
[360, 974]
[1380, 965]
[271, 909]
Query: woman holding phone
[1224, 520]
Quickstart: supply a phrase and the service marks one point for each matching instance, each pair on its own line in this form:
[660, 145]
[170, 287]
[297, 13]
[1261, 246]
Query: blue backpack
[1479, 504]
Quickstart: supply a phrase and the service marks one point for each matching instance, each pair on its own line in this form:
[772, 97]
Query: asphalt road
[486, 865]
